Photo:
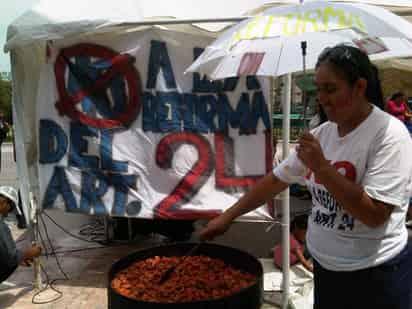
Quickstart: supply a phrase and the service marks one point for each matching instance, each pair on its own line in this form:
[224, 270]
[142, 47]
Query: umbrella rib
[280, 55]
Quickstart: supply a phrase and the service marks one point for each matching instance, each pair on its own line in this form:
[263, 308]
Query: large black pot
[249, 298]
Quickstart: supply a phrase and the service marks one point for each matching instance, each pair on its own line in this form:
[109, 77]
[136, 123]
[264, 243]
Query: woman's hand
[307, 264]
[215, 227]
[29, 254]
[310, 152]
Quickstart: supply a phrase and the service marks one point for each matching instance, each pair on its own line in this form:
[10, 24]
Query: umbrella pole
[286, 102]
[303, 46]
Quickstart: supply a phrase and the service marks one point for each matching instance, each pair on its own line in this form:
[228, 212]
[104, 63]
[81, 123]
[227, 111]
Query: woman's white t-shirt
[378, 156]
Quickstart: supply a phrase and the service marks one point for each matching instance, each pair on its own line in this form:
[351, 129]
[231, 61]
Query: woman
[4, 129]
[358, 171]
[397, 107]
[298, 230]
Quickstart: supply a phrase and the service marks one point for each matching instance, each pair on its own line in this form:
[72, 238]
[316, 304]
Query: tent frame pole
[162, 22]
[286, 102]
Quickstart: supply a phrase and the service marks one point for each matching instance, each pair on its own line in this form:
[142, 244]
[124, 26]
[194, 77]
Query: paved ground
[8, 167]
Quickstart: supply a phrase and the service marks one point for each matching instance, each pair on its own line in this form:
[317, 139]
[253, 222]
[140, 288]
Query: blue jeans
[387, 286]
[409, 126]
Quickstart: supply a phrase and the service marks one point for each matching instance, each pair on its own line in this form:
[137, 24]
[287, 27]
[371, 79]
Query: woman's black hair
[355, 64]
[322, 115]
[299, 222]
[396, 95]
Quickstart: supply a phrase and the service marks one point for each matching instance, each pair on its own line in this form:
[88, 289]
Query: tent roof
[404, 64]
[191, 9]
[54, 19]
[51, 19]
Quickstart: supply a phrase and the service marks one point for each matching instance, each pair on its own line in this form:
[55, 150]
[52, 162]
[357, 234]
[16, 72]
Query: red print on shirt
[346, 168]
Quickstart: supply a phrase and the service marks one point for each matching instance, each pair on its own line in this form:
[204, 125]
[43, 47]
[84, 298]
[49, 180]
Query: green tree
[5, 98]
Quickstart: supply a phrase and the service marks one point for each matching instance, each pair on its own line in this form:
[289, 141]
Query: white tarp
[301, 284]
[151, 141]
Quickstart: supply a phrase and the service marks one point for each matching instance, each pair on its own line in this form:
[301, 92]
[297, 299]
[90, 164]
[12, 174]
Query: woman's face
[4, 205]
[399, 100]
[338, 98]
[300, 234]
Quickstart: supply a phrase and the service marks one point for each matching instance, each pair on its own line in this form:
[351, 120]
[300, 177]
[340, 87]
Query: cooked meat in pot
[197, 278]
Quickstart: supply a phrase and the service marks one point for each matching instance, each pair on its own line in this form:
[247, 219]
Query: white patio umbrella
[270, 44]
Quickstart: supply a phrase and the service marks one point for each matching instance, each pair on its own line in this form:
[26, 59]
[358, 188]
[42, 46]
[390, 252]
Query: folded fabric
[300, 287]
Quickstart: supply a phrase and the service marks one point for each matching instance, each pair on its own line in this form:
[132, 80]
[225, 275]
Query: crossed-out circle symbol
[122, 64]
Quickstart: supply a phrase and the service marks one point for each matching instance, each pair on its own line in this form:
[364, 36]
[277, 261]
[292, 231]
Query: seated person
[10, 256]
[298, 229]
[398, 108]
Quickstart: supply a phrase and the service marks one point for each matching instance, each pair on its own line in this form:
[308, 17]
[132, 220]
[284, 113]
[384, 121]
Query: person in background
[4, 130]
[357, 167]
[397, 107]
[10, 256]
[276, 158]
[4, 127]
[298, 229]
[408, 118]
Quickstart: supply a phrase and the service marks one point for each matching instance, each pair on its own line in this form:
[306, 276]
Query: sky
[9, 11]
